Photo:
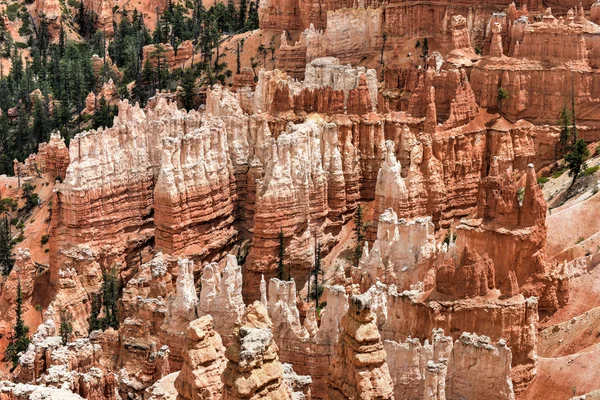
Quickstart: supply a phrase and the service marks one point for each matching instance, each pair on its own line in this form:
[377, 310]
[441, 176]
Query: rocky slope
[471, 281]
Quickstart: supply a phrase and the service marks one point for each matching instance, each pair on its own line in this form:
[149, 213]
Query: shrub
[591, 170]
[45, 239]
[542, 180]
[558, 173]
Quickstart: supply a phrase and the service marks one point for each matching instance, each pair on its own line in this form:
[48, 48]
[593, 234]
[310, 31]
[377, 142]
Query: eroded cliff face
[358, 368]
[203, 362]
[253, 367]
[190, 209]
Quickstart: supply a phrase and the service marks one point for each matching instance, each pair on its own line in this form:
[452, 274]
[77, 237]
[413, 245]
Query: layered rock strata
[203, 362]
[359, 369]
[221, 297]
[253, 368]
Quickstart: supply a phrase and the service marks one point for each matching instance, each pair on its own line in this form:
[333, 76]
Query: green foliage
[281, 258]
[45, 239]
[110, 298]
[502, 95]
[66, 327]
[575, 158]
[359, 229]
[425, 49]
[106, 302]
[6, 259]
[449, 237]
[19, 340]
[188, 84]
[559, 172]
[565, 130]
[314, 293]
[521, 194]
[94, 320]
[104, 114]
[8, 204]
[317, 293]
[591, 170]
[31, 199]
[542, 180]
[581, 239]
[12, 11]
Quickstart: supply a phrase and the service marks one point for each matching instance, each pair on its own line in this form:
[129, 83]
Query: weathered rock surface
[203, 362]
[253, 368]
[221, 297]
[359, 369]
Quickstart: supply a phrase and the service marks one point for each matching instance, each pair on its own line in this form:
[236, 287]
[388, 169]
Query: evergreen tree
[41, 122]
[360, 235]
[317, 270]
[66, 327]
[425, 50]
[231, 17]
[576, 157]
[104, 115]
[19, 340]
[31, 199]
[22, 133]
[110, 298]
[62, 41]
[252, 21]
[502, 95]
[238, 63]
[242, 15]
[106, 300]
[280, 262]
[6, 259]
[188, 84]
[94, 320]
[565, 130]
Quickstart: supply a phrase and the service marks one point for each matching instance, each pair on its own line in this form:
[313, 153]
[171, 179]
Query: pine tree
[317, 270]
[41, 122]
[238, 62]
[19, 340]
[565, 130]
[576, 157]
[188, 84]
[425, 50]
[104, 115]
[242, 15]
[360, 236]
[107, 299]
[280, 264]
[6, 258]
[66, 327]
[252, 21]
[231, 17]
[110, 298]
[94, 321]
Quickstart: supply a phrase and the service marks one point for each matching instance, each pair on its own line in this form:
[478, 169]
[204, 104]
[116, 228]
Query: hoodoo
[286, 199]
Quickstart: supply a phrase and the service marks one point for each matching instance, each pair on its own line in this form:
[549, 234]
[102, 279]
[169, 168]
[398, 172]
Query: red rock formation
[478, 369]
[221, 297]
[513, 223]
[410, 314]
[358, 369]
[253, 368]
[51, 11]
[52, 158]
[193, 196]
[463, 53]
[473, 277]
[308, 347]
[181, 310]
[203, 362]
